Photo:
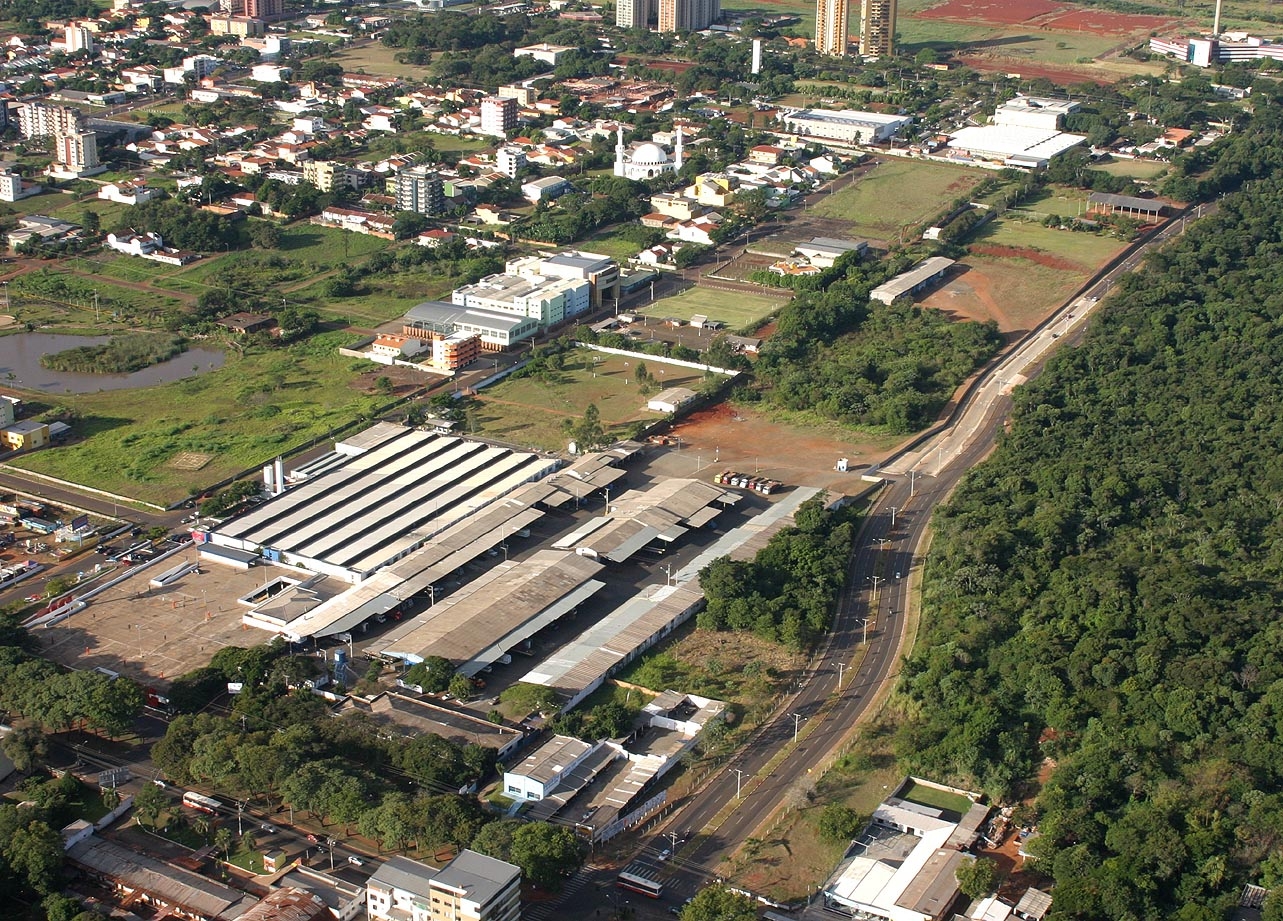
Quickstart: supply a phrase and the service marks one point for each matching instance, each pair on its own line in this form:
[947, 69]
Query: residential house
[25, 435]
[547, 188]
[128, 193]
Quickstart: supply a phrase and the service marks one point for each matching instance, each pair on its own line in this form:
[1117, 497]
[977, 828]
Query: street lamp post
[797, 723]
[882, 542]
[893, 511]
[841, 669]
[739, 781]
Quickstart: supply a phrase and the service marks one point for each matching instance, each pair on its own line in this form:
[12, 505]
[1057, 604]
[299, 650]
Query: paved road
[877, 594]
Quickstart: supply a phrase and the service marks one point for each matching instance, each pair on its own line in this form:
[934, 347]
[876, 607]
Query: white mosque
[646, 161]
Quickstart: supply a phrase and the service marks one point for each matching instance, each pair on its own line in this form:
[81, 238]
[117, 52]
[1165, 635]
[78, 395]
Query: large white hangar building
[385, 494]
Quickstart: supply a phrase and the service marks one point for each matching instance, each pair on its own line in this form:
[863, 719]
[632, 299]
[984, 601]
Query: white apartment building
[547, 300]
[472, 887]
[41, 119]
[498, 116]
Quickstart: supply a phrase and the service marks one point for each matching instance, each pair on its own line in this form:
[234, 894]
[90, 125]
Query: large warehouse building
[844, 124]
[392, 490]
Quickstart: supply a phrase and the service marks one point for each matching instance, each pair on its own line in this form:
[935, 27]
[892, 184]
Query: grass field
[1060, 200]
[610, 243]
[465, 143]
[244, 413]
[898, 193]
[532, 410]
[916, 34]
[375, 58]
[734, 308]
[1087, 249]
[923, 795]
[1134, 169]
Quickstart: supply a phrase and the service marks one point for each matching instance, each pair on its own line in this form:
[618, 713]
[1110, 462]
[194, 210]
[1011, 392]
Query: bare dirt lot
[729, 437]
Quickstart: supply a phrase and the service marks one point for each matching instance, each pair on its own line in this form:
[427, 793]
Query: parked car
[356, 861]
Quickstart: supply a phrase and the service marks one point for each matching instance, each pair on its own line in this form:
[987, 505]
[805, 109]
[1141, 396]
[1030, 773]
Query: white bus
[652, 888]
[201, 803]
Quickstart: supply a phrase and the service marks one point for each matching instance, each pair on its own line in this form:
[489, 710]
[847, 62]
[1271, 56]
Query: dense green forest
[787, 592]
[892, 368]
[1101, 597]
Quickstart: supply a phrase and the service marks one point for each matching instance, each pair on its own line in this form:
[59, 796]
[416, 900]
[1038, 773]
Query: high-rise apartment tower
[877, 27]
[832, 23]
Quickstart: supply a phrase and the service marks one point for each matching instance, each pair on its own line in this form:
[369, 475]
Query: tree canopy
[1101, 594]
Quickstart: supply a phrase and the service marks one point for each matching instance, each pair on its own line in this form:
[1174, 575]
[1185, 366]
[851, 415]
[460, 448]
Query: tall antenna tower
[1216, 20]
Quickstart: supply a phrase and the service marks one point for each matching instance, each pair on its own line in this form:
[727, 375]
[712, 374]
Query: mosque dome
[646, 154]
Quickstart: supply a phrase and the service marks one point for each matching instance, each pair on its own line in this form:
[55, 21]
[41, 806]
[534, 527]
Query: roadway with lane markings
[888, 548]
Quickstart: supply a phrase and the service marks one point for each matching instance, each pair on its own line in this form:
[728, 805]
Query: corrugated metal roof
[491, 610]
[597, 651]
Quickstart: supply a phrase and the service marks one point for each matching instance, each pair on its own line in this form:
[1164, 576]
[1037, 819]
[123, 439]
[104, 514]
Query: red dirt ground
[1002, 12]
[1103, 22]
[727, 437]
[1029, 71]
[969, 296]
[1024, 252]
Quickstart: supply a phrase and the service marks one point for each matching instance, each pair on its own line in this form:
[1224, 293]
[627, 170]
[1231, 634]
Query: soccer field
[736, 309]
[896, 193]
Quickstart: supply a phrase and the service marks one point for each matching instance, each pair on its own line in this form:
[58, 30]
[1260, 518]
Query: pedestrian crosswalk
[542, 911]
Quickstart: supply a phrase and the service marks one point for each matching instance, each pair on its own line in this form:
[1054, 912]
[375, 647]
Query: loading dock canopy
[484, 620]
[664, 512]
[414, 574]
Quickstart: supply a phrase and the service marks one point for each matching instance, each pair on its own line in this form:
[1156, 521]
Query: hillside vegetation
[1102, 596]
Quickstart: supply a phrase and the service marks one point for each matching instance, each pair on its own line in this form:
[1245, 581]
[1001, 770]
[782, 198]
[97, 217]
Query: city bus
[201, 803]
[652, 888]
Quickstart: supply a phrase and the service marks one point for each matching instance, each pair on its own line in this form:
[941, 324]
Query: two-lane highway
[877, 595]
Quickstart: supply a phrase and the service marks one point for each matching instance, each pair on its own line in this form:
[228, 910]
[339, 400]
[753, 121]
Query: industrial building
[582, 665]
[608, 786]
[904, 865]
[389, 490]
[415, 716]
[601, 272]
[825, 251]
[495, 329]
[165, 887]
[548, 301]
[1232, 47]
[844, 125]
[661, 514]
[480, 623]
[1034, 112]
[1011, 145]
[911, 282]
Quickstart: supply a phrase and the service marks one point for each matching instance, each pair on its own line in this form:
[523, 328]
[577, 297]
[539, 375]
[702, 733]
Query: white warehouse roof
[999, 142]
